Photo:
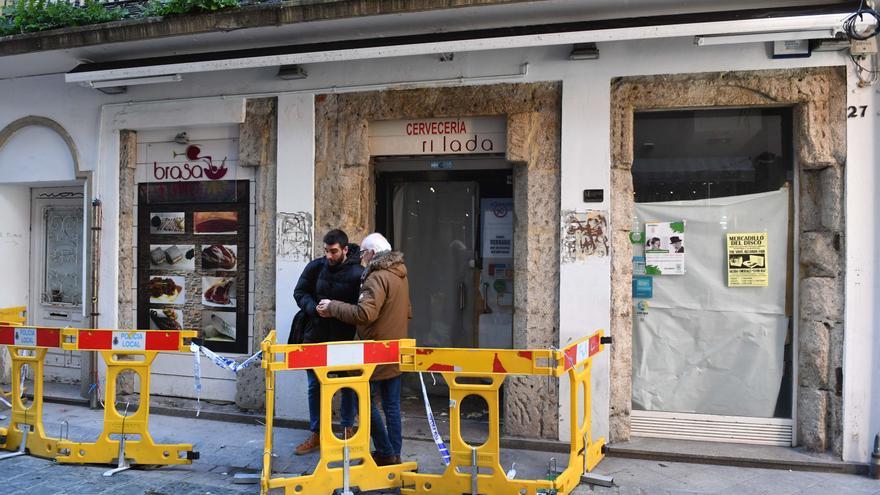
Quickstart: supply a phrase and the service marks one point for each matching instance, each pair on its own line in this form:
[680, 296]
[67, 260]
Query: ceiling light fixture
[134, 81]
[734, 39]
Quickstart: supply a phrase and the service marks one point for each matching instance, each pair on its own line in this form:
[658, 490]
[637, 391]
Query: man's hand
[324, 308]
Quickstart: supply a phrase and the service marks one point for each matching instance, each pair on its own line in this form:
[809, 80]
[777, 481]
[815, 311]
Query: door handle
[461, 296]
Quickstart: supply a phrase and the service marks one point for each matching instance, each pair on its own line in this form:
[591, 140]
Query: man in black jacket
[336, 275]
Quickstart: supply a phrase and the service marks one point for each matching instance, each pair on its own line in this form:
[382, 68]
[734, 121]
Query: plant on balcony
[169, 7]
[40, 15]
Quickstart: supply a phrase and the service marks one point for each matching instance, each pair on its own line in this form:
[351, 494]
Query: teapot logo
[198, 167]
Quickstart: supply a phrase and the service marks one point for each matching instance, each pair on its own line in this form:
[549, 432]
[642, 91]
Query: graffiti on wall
[584, 234]
[294, 236]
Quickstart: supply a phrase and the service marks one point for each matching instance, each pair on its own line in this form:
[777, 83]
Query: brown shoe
[311, 444]
[385, 460]
[348, 432]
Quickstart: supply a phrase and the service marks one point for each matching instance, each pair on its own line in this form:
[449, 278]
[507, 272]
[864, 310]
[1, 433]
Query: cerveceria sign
[443, 136]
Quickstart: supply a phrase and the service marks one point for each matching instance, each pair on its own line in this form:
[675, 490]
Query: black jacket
[340, 283]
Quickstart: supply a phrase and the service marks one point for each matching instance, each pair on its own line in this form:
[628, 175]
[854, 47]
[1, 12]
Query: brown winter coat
[383, 309]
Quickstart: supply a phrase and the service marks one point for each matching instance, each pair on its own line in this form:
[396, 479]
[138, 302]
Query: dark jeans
[348, 404]
[387, 440]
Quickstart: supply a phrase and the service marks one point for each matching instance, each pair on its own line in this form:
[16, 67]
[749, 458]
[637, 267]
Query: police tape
[221, 361]
[441, 446]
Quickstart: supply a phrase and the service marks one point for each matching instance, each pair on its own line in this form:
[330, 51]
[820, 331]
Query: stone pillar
[258, 148]
[531, 404]
[127, 190]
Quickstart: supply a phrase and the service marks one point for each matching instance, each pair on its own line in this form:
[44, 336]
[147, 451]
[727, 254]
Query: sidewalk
[227, 448]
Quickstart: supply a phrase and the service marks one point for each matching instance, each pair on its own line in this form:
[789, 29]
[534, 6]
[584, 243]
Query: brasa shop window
[713, 264]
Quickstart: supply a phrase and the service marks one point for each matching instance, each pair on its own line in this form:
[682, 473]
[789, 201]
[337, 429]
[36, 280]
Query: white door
[57, 253]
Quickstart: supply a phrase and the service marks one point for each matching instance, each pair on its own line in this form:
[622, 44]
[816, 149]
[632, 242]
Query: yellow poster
[747, 259]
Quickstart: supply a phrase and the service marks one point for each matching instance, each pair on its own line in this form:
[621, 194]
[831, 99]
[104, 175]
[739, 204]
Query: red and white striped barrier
[126, 340]
[577, 353]
[343, 354]
[30, 336]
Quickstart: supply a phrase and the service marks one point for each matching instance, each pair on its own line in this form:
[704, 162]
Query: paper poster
[497, 227]
[639, 266]
[583, 235]
[643, 287]
[664, 248]
[747, 259]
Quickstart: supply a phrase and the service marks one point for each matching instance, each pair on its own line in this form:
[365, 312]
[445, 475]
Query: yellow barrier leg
[268, 359]
[26, 431]
[473, 469]
[13, 316]
[585, 454]
[133, 430]
[344, 461]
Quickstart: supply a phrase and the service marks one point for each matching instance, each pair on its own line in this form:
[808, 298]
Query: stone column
[258, 148]
[531, 403]
[127, 190]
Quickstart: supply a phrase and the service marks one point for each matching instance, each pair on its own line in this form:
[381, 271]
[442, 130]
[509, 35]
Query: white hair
[375, 242]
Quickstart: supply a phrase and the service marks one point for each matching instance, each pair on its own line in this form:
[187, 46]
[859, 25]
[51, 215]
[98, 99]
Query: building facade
[524, 173]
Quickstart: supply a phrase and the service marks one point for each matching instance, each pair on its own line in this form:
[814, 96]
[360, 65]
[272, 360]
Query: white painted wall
[585, 164]
[22, 161]
[15, 224]
[861, 356]
[15, 242]
[296, 193]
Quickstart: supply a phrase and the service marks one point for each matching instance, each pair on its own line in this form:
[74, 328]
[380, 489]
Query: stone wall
[818, 97]
[345, 198]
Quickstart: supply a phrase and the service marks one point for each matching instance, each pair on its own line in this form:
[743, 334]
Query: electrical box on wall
[791, 49]
[863, 47]
[594, 195]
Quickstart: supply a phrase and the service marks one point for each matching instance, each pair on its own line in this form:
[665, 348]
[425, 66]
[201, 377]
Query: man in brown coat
[382, 312]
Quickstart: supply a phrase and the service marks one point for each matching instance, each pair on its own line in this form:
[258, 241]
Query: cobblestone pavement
[227, 448]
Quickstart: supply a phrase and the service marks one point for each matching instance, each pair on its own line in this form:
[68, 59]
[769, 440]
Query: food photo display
[168, 223]
[218, 326]
[215, 222]
[218, 291]
[166, 319]
[219, 257]
[172, 257]
[166, 289]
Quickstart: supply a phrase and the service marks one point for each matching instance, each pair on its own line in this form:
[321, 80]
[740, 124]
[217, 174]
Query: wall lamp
[733, 39]
[584, 51]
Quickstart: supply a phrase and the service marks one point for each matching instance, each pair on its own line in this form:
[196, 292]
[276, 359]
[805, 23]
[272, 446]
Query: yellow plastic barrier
[344, 463]
[16, 314]
[26, 434]
[134, 443]
[480, 372]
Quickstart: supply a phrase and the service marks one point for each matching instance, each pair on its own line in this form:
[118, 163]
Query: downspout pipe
[97, 222]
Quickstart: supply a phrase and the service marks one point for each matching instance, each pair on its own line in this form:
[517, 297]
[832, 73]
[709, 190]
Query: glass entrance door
[434, 226]
[713, 291]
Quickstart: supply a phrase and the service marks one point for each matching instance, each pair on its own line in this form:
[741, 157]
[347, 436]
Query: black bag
[299, 327]
[301, 324]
